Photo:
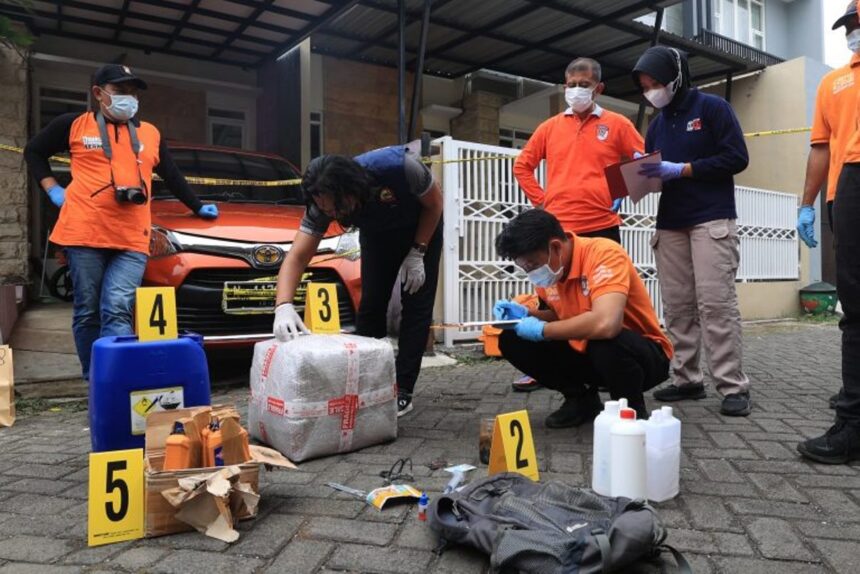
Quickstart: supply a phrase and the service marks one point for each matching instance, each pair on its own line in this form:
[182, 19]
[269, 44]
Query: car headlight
[162, 243]
[348, 246]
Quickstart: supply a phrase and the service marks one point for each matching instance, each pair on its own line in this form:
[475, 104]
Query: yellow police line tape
[297, 181]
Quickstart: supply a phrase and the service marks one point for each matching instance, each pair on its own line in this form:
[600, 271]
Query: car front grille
[198, 302]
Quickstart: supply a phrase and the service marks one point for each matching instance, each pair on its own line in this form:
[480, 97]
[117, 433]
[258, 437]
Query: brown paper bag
[234, 442]
[7, 387]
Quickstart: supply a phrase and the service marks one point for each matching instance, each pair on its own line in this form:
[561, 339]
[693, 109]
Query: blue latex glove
[616, 205]
[57, 193]
[531, 329]
[806, 225]
[508, 310]
[208, 211]
[665, 170]
[637, 155]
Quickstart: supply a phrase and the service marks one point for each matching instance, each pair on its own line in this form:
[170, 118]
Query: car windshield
[227, 165]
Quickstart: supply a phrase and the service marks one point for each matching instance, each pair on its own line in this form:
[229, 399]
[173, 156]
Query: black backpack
[549, 527]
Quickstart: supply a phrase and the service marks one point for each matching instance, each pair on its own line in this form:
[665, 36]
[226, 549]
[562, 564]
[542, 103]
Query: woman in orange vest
[105, 220]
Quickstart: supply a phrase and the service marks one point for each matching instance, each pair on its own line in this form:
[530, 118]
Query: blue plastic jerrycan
[129, 380]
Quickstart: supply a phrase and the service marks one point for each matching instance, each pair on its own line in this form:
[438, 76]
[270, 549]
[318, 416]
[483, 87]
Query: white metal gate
[482, 194]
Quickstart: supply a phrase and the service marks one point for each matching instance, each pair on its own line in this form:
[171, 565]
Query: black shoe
[525, 384]
[834, 399]
[672, 393]
[736, 405]
[575, 411]
[839, 445]
[404, 404]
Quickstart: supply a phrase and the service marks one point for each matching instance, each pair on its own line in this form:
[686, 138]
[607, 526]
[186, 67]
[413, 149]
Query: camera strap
[108, 151]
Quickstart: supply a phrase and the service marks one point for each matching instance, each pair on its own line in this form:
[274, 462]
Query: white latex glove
[288, 324]
[412, 271]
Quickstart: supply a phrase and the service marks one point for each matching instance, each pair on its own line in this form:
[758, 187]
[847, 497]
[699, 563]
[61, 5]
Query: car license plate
[257, 296]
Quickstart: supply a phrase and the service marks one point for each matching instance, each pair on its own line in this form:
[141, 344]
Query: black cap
[850, 12]
[115, 74]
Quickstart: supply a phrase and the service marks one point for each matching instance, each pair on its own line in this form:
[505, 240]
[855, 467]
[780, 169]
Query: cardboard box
[160, 514]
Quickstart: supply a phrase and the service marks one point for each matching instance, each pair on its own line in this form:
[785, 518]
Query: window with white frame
[741, 20]
[513, 138]
[54, 102]
[228, 128]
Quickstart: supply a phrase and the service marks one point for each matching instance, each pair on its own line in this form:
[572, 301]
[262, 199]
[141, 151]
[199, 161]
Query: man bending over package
[600, 328]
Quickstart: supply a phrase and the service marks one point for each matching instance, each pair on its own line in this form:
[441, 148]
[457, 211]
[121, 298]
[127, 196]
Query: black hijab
[662, 64]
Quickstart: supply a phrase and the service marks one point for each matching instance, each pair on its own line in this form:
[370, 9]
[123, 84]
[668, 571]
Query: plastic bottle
[422, 506]
[601, 460]
[213, 445]
[663, 455]
[177, 452]
[628, 457]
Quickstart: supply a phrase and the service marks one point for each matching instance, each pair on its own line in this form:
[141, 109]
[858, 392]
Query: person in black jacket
[696, 241]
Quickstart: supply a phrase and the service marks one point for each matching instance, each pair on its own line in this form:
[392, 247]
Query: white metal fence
[481, 195]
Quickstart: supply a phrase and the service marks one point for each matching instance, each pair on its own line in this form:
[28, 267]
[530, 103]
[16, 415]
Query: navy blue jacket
[702, 130]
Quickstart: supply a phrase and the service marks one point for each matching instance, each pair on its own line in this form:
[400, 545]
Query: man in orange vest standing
[833, 124]
[105, 218]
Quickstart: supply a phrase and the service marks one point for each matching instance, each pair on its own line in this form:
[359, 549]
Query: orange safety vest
[91, 216]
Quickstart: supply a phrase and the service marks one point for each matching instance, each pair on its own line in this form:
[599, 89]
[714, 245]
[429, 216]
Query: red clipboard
[624, 181]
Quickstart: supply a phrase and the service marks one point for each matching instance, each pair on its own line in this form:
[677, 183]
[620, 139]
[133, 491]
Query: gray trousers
[696, 267]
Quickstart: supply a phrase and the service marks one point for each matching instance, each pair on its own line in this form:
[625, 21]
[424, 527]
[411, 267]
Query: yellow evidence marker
[322, 314]
[513, 448]
[155, 313]
[115, 497]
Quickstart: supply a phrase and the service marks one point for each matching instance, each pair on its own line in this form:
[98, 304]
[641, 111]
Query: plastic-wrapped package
[319, 395]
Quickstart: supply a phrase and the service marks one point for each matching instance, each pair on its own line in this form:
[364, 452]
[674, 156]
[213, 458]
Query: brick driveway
[748, 503]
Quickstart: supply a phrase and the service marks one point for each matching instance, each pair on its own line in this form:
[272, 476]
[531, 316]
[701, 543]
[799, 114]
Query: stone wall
[178, 113]
[13, 173]
[479, 121]
[360, 106]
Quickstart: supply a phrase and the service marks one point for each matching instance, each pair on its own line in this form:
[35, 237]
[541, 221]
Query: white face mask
[659, 97]
[853, 40]
[122, 107]
[544, 276]
[579, 99]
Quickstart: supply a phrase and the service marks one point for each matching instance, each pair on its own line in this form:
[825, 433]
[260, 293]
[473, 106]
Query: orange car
[224, 270]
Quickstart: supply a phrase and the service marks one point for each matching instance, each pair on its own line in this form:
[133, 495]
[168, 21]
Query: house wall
[13, 174]
[361, 107]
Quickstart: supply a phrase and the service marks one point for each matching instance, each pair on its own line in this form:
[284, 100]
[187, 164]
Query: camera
[133, 195]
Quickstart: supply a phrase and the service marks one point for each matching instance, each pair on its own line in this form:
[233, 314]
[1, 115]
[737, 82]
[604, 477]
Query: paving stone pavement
[748, 503]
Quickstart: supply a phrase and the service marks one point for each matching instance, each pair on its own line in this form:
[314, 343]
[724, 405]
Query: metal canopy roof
[531, 38]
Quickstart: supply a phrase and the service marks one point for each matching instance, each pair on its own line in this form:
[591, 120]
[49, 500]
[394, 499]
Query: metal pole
[401, 72]
[729, 78]
[658, 23]
[417, 84]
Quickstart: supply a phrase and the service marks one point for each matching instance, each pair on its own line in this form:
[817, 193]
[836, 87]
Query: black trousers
[846, 238]
[382, 253]
[627, 365]
[613, 233]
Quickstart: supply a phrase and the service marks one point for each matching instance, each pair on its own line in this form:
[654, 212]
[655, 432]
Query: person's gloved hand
[412, 271]
[288, 324]
[665, 170]
[806, 225]
[637, 155]
[616, 205]
[57, 194]
[208, 211]
[531, 329]
[505, 310]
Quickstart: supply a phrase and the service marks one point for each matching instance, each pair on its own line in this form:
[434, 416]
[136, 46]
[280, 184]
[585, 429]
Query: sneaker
[833, 400]
[525, 384]
[736, 405]
[404, 404]
[839, 445]
[575, 411]
[672, 393]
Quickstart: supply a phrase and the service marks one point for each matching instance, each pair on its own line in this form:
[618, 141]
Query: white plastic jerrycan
[627, 454]
[663, 454]
[600, 460]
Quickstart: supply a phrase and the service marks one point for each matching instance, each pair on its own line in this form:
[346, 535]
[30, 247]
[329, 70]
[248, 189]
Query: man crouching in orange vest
[105, 220]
